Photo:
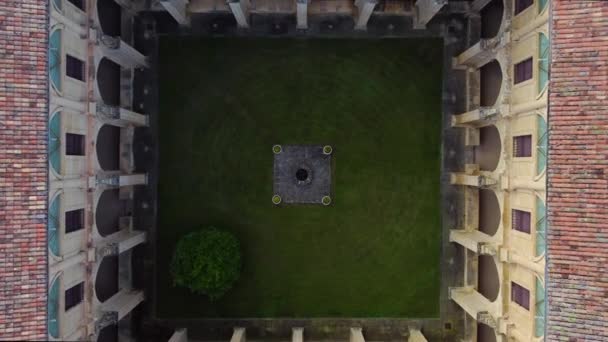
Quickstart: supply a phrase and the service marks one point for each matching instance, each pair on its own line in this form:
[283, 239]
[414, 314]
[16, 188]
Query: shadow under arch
[491, 18]
[108, 12]
[107, 147]
[485, 333]
[487, 154]
[489, 212]
[106, 280]
[108, 212]
[108, 81]
[488, 281]
[490, 83]
[108, 334]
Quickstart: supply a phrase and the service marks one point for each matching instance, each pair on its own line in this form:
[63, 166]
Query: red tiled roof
[23, 169]
[578, 173]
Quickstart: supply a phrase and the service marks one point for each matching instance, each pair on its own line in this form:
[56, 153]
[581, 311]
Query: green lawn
[375, 251]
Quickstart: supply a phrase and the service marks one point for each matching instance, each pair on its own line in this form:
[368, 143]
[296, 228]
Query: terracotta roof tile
[577, 289]
[23, 169]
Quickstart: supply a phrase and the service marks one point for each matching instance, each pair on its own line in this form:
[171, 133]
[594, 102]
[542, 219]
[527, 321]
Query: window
[523, 71]
[520, 220]
[521, 5]
[74, 220]
[520, 295]
[522, 146]
[74, 68]
[78, 3]
[74, 144]
[73, 296]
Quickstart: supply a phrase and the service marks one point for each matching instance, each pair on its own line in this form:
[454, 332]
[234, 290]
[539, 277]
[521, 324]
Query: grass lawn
[375, 251]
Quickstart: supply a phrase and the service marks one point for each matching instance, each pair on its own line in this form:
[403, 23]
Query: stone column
[238, 335]
[178, 10]
[78, 106]
[297, 335]
[475, 304]
[120, 242]
[240, 10]
[426, 10]
[123, 302]
[121, 53]
[180, 335]
[356, 335]
[365, 10]
[117, 116]
[416, 336]
[302, 14]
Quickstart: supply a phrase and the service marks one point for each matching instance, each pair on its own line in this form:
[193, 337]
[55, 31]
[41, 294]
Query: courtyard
[375, 250]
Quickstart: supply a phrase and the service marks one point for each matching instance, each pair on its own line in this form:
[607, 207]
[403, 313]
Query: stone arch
[107, 147]
[488, 280]
[108, 13]
[108, 212]
[108, 81]
[491, 19]
[490, 83]
[489, 212]
[106, 279]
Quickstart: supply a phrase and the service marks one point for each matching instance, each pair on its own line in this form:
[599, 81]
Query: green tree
[207, 262]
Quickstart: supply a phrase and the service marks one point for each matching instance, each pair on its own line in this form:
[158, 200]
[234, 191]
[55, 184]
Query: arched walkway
[487, 154]
[489, 212]
[485, 333]
[107, 147]
[490, 82]
[488, 281]
[108, 81]
[106, 281]
[109, 17]
[109, 210]
[491, 19]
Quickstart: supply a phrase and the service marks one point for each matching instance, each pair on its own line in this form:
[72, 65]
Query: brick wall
[23, 169]
[578, 172]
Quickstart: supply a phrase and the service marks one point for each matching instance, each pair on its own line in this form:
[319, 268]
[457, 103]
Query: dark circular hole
[301, 175]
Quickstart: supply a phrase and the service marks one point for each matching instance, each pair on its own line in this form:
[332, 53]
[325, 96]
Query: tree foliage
[207, 262]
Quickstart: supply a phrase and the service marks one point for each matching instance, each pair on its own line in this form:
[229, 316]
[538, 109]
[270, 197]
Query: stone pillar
[302, 14]
[178, 10]
[120, 242]
[123, 302]
[68, 262]
[117, 116]
[238, 335]
[180, 335]
[474, 303]
[416, 336]
[297, 335]
[472, 240]
[117, 180]
[121, 53]
[356, 335]
[426, 10]
[479, 117]
[459, 178]
[365, 10]
[240, 10]
[78, 106]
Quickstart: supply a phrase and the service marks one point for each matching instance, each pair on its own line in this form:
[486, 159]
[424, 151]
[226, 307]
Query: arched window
[57, 5]
[55, 59]
[541, 227]
[542, 4]
[55, 142]
[53, 309]
[539, 305]
[542, 144]
[543, 62]
[53, 225]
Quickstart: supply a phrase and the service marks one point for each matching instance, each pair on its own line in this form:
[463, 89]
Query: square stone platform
[302, 174]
